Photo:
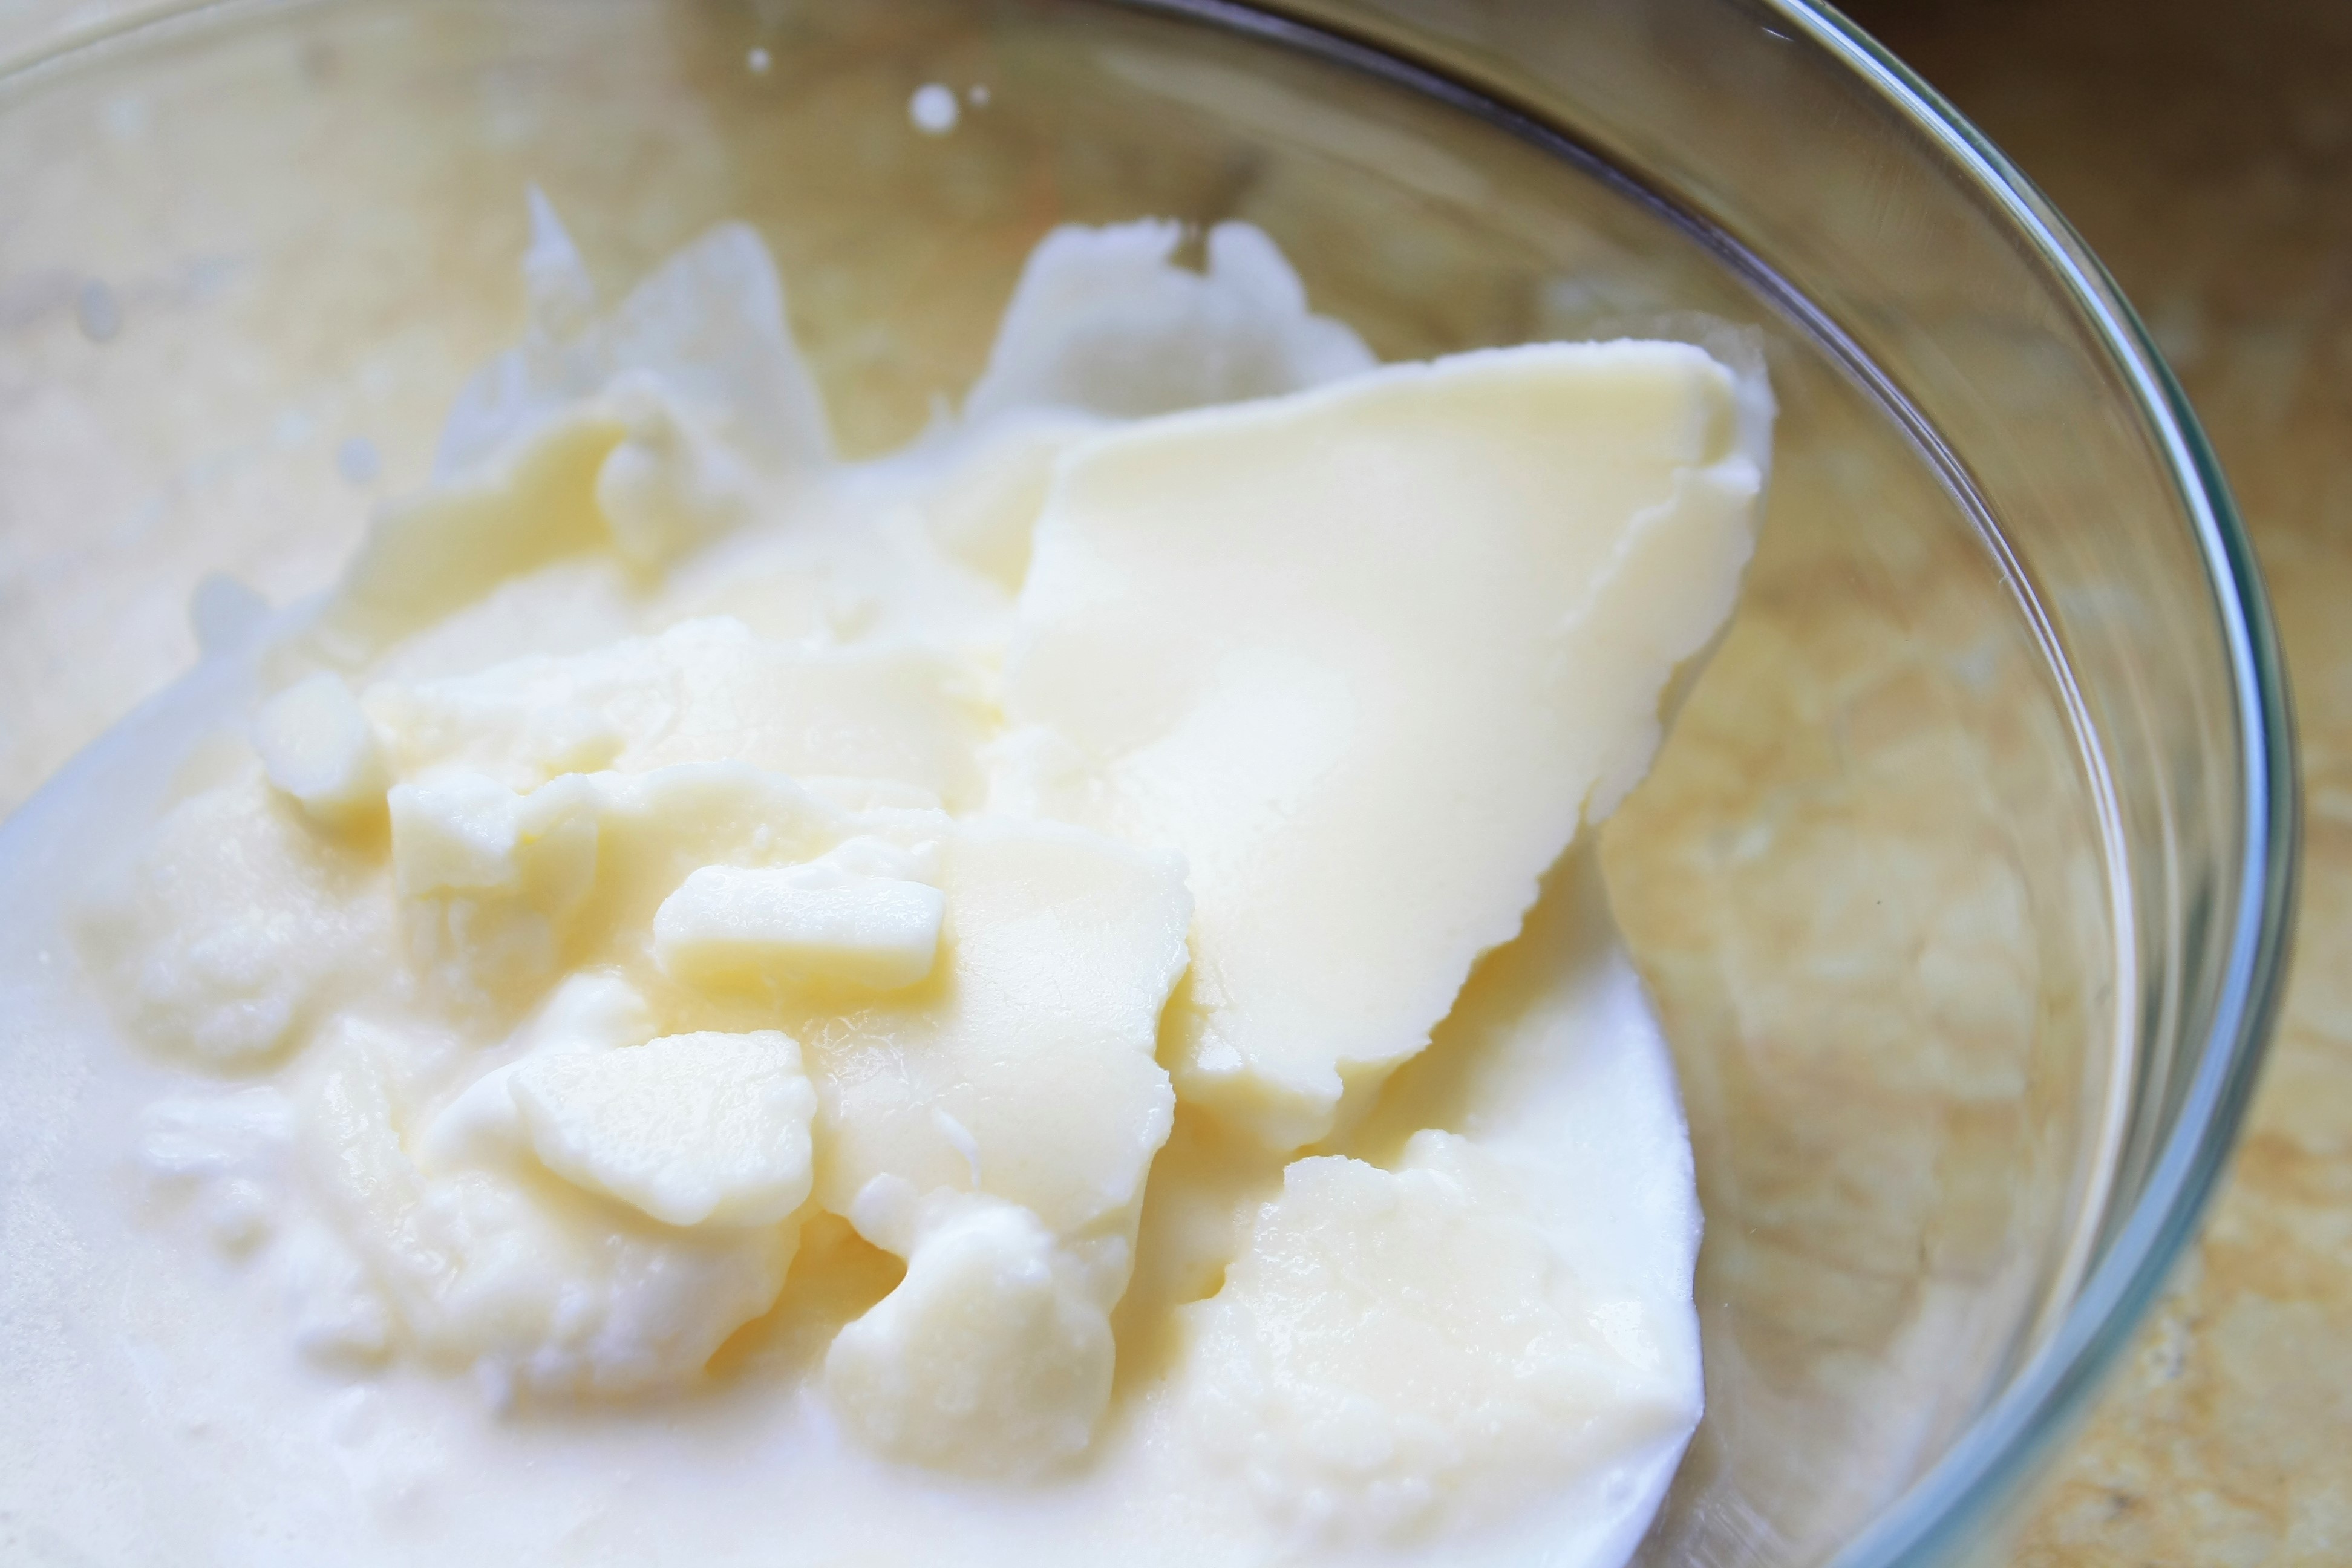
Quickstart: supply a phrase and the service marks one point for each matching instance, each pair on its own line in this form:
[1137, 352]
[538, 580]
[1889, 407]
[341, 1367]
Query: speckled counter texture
[2205, 151]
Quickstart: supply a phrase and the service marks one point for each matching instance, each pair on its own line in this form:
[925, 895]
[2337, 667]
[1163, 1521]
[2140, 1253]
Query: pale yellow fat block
[1368, 654]
[1024, 1068]
[1392, 1348]
[798, 925]
[697, 1129]
[992, 1358]
[706, 689]
[318, 748]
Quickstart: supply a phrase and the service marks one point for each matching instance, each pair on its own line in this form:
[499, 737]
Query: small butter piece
[481, 1271]
[423, 558]
[705, 1129]
[458, 833]
[728, 925]
[1393, 1347]
[1104, 320]
[588, 1012]
[317, 746]
[491, 881]
[703, 691]
[654, 830]
[989, 1358]
[233, 928]
[1027, 1064]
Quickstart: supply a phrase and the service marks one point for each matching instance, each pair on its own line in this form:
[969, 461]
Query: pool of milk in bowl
[165, 1257]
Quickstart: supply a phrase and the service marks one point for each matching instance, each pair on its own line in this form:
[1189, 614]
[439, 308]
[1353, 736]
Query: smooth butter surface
[1369, 654]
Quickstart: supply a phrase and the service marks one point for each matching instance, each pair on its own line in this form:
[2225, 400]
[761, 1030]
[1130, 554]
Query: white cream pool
[1040, 999]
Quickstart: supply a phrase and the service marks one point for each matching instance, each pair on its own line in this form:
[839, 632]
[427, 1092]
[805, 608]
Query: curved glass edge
[72, 41]
[1945, 1511]
[1942, 1514]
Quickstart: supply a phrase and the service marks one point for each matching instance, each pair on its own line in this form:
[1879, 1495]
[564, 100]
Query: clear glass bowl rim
[1947, 1509]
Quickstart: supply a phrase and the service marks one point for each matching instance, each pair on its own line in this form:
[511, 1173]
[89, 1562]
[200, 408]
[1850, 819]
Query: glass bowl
[1963, 884]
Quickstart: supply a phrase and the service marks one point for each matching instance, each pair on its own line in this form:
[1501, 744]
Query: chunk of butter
[703, 691]
[460, 833]
[316, 743]
[1104, 320]
[1026, 1069]
[486, 1272]
[703, 1129]
[1368, 654]
[993, 1356]
[490, 881]
[482, 1125]
[728, 925]
[1393, 1347]
[235, 927]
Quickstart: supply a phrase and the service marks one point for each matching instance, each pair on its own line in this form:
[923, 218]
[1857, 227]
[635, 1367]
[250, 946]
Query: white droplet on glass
[933, 109]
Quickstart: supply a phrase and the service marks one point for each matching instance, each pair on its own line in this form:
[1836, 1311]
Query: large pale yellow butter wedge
[1368, 656]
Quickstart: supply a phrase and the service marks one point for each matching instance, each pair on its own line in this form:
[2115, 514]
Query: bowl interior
[250, 259]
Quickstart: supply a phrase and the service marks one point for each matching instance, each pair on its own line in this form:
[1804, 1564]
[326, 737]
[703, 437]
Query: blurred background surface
[2205, 151]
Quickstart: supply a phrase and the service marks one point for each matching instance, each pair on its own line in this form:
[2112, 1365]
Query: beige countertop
[2206, 152]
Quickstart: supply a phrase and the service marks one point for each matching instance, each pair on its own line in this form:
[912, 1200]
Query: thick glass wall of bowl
[246, 269]
[1734, 115]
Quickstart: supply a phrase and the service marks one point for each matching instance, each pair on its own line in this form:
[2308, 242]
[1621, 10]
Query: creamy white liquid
[155, 1398]
[159, 1410]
